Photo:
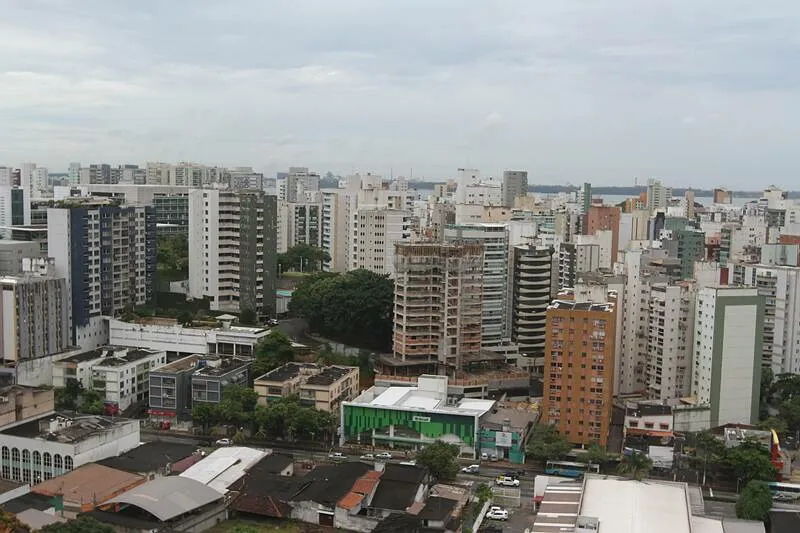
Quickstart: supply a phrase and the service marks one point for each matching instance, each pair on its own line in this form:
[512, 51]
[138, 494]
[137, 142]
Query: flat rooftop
[582, 306]
[181, 365]
[287, 372]
[420, 399]
[330, 375]
[66, 428]
[226, 367]
[149, 457]
[89, 355]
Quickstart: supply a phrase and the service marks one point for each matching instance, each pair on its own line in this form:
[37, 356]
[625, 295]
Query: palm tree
[636, 465]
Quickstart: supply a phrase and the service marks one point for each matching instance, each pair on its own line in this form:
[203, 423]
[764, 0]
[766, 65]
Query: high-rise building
[299, 223]
[107, 254]
[298, 182]
[14, 211]
[670, 341]
[605, 217]
[339, 227]
[437, 307]
[729, 324]
[722, 196]
[532, 271]
[689, 246]
[39, 181]
[658, 196]
[780, 286]
[74, 174]
[494, 239]
[378, 231]
[6, 176]
[34, 313]
[573, 259]
[232, 250]
[241, 178]
[579, 369]
[515, 185]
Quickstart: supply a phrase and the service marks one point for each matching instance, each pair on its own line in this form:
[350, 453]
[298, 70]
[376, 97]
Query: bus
[568, 469]
[784, 492]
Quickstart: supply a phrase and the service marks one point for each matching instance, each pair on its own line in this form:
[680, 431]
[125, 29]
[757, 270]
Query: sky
[694, 92]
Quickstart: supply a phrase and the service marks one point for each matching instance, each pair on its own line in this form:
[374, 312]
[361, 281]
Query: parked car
[367, 457]
[337, 456]
[496, 513]
[484, 456]
[224, 442]
[471, 469]
[514, 474]
[507, 481]
[384, 455]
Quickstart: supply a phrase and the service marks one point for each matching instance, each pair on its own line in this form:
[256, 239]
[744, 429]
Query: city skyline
[697, 95]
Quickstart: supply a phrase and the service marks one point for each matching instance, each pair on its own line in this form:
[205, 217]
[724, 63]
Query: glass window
[37, 458]
[6, 456]
[68, 462]
[48, 460]
[58, 463]
[15, 455]
[26, 457]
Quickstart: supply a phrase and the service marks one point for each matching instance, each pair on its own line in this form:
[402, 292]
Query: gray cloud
[698, 93]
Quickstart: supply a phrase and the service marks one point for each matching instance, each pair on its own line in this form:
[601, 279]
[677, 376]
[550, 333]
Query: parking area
[519, 519]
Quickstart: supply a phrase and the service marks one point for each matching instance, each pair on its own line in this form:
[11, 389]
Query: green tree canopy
[636, 465]
[79, 525]
[484, 494]
[172, 256]
[595, 454]
[273, 351]
[751, 461]
[548, 444]
[303, 258]
[441, 459]
[354, 308]
[754, 502]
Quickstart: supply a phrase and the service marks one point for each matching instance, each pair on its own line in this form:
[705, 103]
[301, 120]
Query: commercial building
[670, 340]
[233, 250]
[15, 209]
[120, 374]
[622, 505]
[515, 185]
[506, 429]
[34, 314]
[495, 292]
[317, 386]
[411, 417]
[167, 334]
[532, 271]
[216, 373]
[729, 333]
[171, 389]
[722, 196]
[579, 369]
[107, 254]
[438, 307]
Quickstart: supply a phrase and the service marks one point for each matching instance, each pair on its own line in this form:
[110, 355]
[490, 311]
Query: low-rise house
[151, 459]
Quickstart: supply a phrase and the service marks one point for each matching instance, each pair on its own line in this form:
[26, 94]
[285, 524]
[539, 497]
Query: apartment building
[729, 334]
[107, 254]
[658, 195]
[233, 250]
[438, 307]
[689, 246]
[604, 218]
[532, 271]
[299, 223]
[214, 373]
[515, 185]
[297, 183]
[378, 231]
[322, 387]
[120, 374]
[670, 341]
[579, 369]
[34, 314]
[574, 259]
[780, 286]
[495, 294]
[171, 390]
[339, 227]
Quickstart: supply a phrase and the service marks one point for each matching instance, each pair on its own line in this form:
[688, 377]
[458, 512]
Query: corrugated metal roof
[168, 497]
[224, 466]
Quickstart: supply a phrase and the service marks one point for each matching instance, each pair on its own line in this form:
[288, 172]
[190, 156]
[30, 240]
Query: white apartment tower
[728, 333]
[494, 239]
[378, 231]
[233, 249]
[670, 341]
[658, 196]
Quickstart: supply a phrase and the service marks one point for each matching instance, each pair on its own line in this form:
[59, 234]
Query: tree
[79, 525]
[91, 402]
[204, 414]
[441, 460]
[708, 449]
[636, 465]
[172, 256]
[354, 308]
[767, 379]
[751, 461]
[789, 412]
[10, 524]
[786, 387]
[775, 423]
[484, 494]
[67, 398]
[548, 444]
[595, 454]
[754, 502]
[303, 258]
[273, 351]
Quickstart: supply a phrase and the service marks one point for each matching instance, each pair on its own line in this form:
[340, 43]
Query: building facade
[532, 269]
[670, 341]
[729, 333]
[579, 370]
[515, 185]
[378, 231]
[107, 254]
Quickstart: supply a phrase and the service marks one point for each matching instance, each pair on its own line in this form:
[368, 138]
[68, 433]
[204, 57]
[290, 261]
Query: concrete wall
[30, 403]
[39, 372]
[342, 519]
[110, 444]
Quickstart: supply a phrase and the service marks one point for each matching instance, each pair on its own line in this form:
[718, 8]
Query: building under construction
[437, 308]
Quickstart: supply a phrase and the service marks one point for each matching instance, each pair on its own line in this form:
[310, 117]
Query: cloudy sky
[697, 92]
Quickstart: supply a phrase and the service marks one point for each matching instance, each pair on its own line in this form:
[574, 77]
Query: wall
[342, 519]
[691, 419]
[359, 419]
[24, 405]
[109, 444]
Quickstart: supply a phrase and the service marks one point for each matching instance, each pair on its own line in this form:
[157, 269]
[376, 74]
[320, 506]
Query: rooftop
[226, 366]
[149, 457]
[89, 355]
[287, 372]
[181, 365]
[67, 428]
[223, 467]
[426, 396]
[437, 508]
[169, 497]
[31, 500]
[330, 375]
[582, 306]
[89, 483]
[516, 415]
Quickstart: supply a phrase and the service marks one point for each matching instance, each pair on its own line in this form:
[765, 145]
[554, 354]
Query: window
[48, 461]
[15, 455]
[67, 462]
[37, 459]
[26, 457]
[5, 455]
[58, 463]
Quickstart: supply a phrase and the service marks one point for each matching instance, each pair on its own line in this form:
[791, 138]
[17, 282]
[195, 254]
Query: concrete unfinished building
[437, 308]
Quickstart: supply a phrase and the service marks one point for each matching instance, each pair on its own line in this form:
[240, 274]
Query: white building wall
[736, 380]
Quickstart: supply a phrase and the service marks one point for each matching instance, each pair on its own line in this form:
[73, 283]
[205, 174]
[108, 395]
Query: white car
[497, 513]
[224, 442]
[471, 469]
[367, 457]
[384, 455]
[337, 456]
[507, 481]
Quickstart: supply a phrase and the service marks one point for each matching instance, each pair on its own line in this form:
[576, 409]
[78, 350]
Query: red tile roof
[363, 486]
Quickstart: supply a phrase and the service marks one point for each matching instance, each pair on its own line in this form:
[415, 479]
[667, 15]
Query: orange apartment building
[604, 217]
[579, 369]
